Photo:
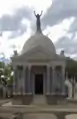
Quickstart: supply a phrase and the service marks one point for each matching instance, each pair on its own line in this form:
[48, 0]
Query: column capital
[29, 66]
[24, 67]
[14, 67]
[53, 67]
[63, 69]
[48, 65]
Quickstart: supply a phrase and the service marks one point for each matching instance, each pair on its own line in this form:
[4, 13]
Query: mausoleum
[38, 69]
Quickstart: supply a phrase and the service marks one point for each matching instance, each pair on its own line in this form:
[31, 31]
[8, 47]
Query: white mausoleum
[38, 69]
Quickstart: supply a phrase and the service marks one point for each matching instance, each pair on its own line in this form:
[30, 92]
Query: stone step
[39, 100]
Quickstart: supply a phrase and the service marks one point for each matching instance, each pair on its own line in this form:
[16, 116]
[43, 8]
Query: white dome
[38, 40]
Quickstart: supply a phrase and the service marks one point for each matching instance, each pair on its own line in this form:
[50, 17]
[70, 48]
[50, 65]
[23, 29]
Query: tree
[71, 67]
[2, 65]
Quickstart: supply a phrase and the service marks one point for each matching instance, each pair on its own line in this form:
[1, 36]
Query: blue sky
[59, 22]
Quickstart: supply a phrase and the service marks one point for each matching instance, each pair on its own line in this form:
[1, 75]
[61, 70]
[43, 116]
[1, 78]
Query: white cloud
[8, 46]
[51, 31]
[60, 10]
[25, 22]
[67, 22]
[60, 14]
[8, 6]
[68, 44]
[58, 30]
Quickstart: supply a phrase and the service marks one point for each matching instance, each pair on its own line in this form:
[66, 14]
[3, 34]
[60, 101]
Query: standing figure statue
[38, 20]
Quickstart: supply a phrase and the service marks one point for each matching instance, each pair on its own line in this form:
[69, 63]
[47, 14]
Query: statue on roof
[38, 20]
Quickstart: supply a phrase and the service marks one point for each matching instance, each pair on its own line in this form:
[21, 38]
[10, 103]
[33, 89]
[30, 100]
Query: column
[18, 82]
[48, 79]
[29, 70]
[23, 80]
[63, 80]
[53, 79]
[14, 81]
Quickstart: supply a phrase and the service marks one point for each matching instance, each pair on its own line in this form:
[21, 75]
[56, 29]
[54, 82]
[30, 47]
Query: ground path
[40, 111]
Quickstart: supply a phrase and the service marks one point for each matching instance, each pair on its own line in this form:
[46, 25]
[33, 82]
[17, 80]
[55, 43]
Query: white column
[14, 81]
[18, 83]
[48, 79]
[63, 80]
[53, 79]
[29, 70]
[23, 80]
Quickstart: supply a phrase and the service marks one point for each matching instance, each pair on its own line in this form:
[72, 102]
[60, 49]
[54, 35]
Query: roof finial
[38, 21]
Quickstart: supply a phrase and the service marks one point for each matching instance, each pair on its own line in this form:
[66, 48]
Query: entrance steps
[39, 100]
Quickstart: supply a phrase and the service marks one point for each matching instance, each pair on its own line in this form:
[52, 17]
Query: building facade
[38, 70]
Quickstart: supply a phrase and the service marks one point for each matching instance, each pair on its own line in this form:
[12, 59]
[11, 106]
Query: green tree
[2, 65]
[71, 67]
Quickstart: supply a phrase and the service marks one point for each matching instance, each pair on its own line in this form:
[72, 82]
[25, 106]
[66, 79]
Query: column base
[25, 99]
[71, 101]
[55, 99]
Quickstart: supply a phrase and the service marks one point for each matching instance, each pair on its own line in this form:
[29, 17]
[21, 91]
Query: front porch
[33, 80]
[38, 80]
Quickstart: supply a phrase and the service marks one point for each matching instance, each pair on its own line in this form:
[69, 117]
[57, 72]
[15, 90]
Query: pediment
[37, 53]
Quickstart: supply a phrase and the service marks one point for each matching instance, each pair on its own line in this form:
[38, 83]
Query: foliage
[2, 65]
[10, 81]
[6, 72]
[71, 67]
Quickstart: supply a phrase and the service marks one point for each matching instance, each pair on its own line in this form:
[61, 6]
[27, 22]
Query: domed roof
[38, 40]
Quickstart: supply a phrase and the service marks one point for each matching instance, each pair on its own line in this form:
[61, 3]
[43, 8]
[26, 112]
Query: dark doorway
[38, 83]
